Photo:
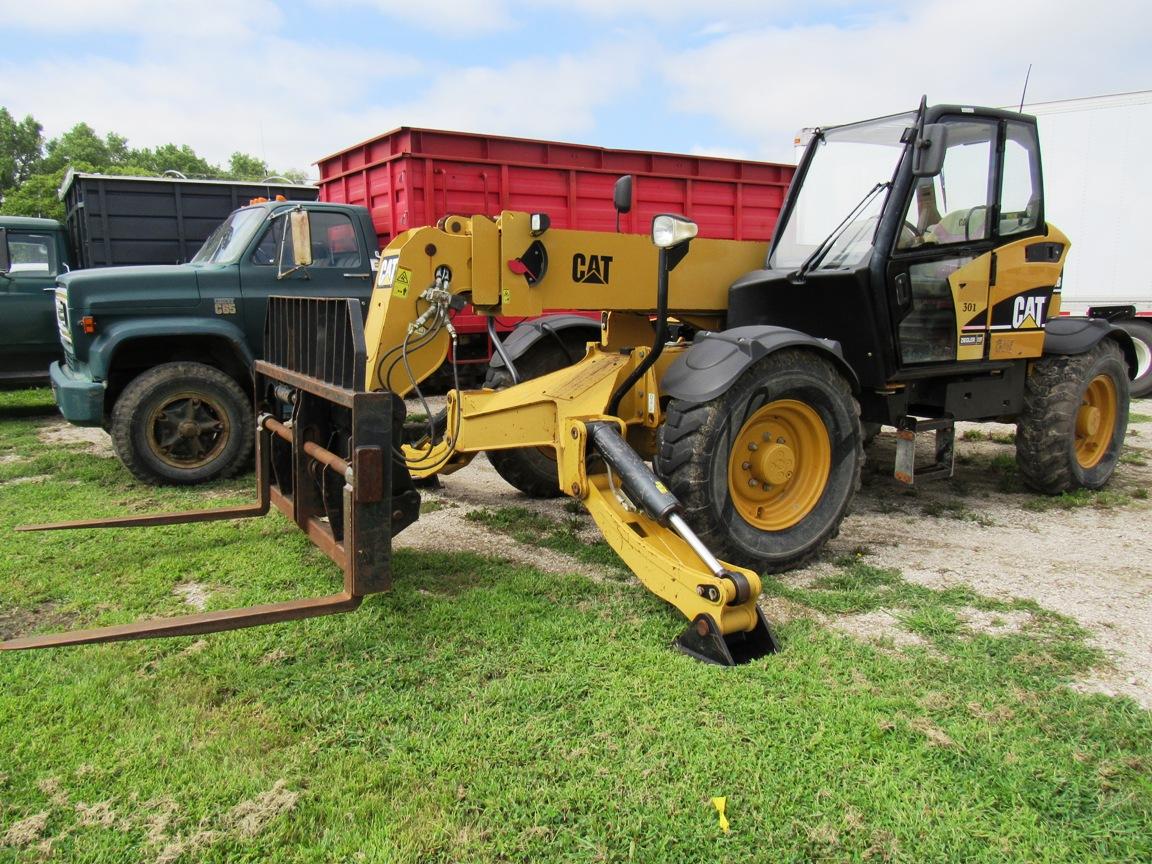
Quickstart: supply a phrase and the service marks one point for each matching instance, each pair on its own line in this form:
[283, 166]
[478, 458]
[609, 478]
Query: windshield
[227, 242]
[849, 176]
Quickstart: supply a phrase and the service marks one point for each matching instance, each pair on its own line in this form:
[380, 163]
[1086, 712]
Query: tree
[21, 144]
[173, 157]
[81, 144]
[245, 167]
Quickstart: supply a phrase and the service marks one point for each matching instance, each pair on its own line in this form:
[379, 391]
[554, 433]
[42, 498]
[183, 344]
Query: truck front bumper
[81, 400]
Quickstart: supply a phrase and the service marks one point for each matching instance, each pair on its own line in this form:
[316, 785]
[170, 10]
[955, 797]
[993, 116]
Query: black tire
[532, 470]
[696, 457]
[1141, 333]
[182, 423]
[1060, 446]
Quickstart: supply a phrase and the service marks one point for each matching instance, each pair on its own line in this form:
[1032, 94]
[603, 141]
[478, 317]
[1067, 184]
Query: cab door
[941, 269]
[975, 272]
[29, 339]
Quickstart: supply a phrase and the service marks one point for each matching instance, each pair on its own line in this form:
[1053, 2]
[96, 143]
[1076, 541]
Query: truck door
[29, 340]
[340, 266]
[966, 283]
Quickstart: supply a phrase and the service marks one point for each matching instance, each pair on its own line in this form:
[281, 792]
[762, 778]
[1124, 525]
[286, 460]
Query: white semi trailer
[1097, 189]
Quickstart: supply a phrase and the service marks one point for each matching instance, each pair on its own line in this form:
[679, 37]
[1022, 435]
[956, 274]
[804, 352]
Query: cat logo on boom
[591, 269]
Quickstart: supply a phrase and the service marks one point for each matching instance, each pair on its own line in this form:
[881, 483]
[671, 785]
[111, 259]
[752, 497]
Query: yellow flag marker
[720, 804]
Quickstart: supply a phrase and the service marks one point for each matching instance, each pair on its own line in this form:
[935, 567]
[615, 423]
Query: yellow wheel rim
[779, 465]
[1096, 421]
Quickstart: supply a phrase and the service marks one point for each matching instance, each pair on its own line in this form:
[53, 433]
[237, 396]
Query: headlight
[669, 230]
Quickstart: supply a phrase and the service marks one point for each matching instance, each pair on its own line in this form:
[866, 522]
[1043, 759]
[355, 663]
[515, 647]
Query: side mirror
[928, 150]
[5, 261]
[301, 238]
[622, 194]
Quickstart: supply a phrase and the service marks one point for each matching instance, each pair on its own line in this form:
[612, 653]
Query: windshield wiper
[822, 248]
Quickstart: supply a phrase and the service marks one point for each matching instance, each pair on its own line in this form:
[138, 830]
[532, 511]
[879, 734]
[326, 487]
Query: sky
[292, 82]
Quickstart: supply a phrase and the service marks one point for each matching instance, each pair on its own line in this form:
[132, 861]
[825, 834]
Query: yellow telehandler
[912, 281]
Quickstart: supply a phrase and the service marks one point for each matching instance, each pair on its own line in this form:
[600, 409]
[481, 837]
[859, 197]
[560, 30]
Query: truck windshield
[849, 176]
[226, 243]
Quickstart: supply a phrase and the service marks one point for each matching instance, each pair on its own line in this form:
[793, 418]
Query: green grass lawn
[483, 711]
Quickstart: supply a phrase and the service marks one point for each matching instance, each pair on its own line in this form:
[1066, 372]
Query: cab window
[1020, 190]
[952, 207]
[333, 241]
[34, 254]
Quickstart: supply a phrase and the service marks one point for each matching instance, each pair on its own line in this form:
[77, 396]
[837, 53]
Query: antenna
[1027, 75]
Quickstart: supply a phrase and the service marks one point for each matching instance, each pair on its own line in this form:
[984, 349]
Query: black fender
[1076, 335]
[527, 333]
[716, 360]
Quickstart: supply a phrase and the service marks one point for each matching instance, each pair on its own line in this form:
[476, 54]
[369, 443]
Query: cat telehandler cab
[911, 281]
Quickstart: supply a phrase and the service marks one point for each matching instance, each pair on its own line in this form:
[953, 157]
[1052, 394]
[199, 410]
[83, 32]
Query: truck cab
[162, 356]
[33, 252]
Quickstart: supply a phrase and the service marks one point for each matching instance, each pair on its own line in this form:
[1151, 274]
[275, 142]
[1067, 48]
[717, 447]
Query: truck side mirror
[622, 194]
[928, 150]
[622, 197]
[5, 261]
[301, 238]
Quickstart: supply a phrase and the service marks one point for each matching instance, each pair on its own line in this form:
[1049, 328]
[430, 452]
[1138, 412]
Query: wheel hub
[188, 430]
[776, 464]
[1096, 421]
[779, 465]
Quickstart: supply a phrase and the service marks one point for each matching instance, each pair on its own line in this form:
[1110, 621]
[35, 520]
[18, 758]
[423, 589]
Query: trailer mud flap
[327, 467]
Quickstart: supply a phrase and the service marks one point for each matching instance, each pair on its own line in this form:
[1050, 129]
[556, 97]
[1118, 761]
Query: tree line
[32, 167]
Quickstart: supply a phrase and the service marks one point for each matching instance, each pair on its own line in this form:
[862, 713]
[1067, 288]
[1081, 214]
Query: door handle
[357, 275]
[902, 291]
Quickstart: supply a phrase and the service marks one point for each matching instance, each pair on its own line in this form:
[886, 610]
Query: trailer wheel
[1141, 333]
[1071, 430]
[181, 424]
[532, 470]
[767, 470]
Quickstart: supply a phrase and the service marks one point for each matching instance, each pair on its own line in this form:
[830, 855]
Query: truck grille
[321, 337]
[62, 318]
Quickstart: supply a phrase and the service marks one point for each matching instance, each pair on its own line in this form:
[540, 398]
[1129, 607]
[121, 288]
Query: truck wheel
[1141, 333]
[181, 424]
[767, 471]
[1071, 430]
[532, 470]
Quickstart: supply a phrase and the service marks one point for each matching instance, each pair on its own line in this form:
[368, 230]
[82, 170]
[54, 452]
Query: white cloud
[454, 18]
[217, 98]
[769, 82]
[538, 97]
[230, 19]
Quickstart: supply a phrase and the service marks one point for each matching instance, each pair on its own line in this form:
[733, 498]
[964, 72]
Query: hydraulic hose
[657, 344]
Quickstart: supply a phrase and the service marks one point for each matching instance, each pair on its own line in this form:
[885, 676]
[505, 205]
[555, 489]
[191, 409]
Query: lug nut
[745, 465]
[752, 481]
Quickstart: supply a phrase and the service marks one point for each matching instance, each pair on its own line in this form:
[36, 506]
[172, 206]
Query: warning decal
[403, 280]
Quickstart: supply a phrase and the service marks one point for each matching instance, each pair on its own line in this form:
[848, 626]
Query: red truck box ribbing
[411, 177]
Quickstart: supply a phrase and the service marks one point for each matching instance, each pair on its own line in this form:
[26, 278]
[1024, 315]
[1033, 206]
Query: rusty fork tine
[193, 625]
[242, 511]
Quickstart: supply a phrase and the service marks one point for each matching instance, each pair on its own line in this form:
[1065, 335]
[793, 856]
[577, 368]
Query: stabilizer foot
[703, 641]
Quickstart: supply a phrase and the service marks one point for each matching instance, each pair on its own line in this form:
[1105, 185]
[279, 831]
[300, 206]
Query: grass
[1137, 417]
[486, 712]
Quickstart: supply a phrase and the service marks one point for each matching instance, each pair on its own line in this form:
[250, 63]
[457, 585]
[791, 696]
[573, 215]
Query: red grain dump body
[412, 177]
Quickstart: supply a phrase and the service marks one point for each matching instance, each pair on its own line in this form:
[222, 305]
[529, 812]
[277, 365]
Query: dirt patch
[249, 818]
[83, 438]
[26, 831]
[878, 626]
[21, 481]
[194, 594]
[21, 622]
